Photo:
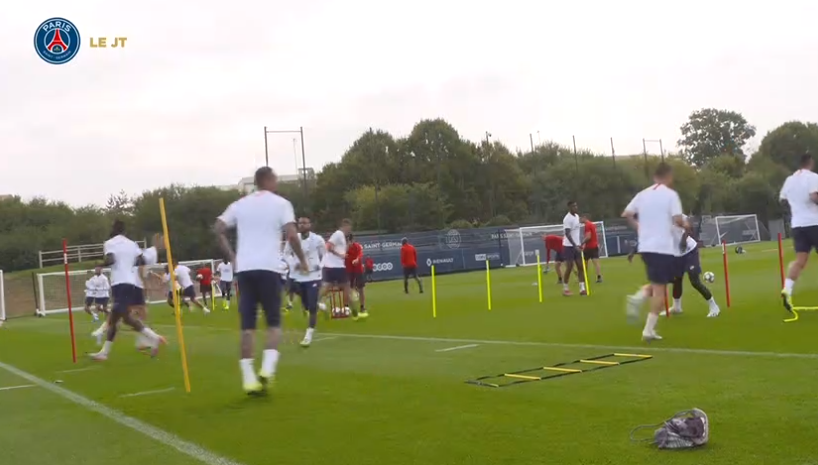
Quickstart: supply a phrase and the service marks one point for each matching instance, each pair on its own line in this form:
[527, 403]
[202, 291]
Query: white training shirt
[656, 207]
[283, 267]
[125, 252]
[183, 276]
[150, 256]
[796, 191]
[572, 223]
[339, 243]
[90, 289]
[259, 219]
[314, 249]
[102, 286]
[225, 271]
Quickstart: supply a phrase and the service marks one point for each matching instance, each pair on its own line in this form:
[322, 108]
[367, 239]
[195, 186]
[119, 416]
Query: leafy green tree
[785, 144]
[709, 133]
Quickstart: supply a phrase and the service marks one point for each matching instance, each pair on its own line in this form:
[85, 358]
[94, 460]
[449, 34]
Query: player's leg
[569, 261]
[291, 288]
[804, 240]
[270, 299]
[190, 294]
[693, 268]
[548, 260]
[341, 280]
[558, 266]
[661, 269]
[417, 279]
[676, 290]
[227, 294]
[308, 292]
[580, 267]
[406, 274]
[89, 303]
[635, 302]
[248, 310]
[359, 284]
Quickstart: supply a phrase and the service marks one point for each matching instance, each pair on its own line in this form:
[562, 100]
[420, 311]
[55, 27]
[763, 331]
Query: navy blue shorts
[689, 263]
[124, 296]
[89, 301]
[336, 276]
[205, 289]
[558, 257]
[259, 287]
[103, 301]
[292, 286]
[571, 254]
[225, 286]
[357, 281]
[189, 292]
[805, 239]
[308, 291]
[661, 268]
[410, 272]
[138, 296]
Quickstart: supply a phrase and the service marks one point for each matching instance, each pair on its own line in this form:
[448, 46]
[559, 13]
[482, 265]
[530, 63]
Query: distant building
[246, 184]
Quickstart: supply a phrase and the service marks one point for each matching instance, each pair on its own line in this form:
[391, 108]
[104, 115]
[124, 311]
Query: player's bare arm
[294, 241]
[631, 217]
[567, 233]
[220, 228]
[109, 260]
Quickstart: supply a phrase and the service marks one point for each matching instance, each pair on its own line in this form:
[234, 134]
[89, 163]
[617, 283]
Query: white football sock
[712, 302]
[582, 285]
[310, 332]
[788, 285]
[101, 329]
[677, 303]
[247, 374]
[650, 323]
[269, 362]
[565, 287]
[106, 348]
[148, 333]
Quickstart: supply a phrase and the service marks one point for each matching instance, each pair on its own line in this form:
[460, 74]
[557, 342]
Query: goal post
[525, 243]
[737, 229]
[51, 287]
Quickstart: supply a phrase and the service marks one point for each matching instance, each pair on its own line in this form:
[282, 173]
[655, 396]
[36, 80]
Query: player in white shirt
[335, 270]
[103, 290]
[225, 274]
[173, 288]
[659, 211]
[800, 192]
[182, 273]
[121, 255]
[308, 282]
[259, 219]
[90, 297]
[689, 263]
[572, 249]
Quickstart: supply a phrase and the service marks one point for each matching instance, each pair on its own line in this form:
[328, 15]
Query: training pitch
[390, 390]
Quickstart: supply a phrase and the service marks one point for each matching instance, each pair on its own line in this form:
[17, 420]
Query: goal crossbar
[526, 243]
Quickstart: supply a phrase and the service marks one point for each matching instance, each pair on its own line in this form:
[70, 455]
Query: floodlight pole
[300, 131]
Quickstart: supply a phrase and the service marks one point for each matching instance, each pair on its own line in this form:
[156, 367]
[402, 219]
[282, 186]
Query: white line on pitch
[467, 346]
[641, 349]
[77, 370]
[171, 440]
[147, 393]
[11, 388]
[329, 338]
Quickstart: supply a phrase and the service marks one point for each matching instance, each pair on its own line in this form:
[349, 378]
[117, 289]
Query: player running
[225, 274]
[689, 262]
[409, 262]
[205, 277]
[90, 297]
[308, 282]
[121, 255]
[658, 208]
[591, 246]
[355, 269]
[182, 273]
[335, 273]
[800, 193]
[259, 218]
[572, 249]
[103, 288]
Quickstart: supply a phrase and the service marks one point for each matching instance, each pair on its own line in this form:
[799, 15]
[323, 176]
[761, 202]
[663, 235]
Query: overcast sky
[187, 99]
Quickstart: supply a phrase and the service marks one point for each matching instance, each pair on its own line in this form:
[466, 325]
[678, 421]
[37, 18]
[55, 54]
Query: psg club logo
[57, 41]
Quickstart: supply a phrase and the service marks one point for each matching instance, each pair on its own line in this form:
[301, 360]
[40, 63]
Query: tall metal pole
[304, 168]
[266, 155]
[613, 153]
[576, 161]
[661, 150]
[531, 139]
[645, 152]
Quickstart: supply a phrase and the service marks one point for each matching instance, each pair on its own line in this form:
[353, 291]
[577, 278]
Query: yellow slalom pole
[176, 304]
[434, 294]
[488, 283]
[585, 272]
[539, 275]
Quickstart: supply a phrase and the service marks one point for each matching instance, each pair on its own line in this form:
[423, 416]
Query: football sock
[268, 362]
[650, 324]
[788, 285]
[247, 374]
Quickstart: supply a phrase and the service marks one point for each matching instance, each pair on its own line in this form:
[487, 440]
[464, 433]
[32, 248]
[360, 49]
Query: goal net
[524, 244]
[52, 288]
[732, 229]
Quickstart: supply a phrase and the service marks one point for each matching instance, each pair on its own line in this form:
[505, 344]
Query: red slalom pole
[781, 259]
[726, 271]
[68, 294]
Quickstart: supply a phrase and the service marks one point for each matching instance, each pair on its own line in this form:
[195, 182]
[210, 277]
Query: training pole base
[558, 370]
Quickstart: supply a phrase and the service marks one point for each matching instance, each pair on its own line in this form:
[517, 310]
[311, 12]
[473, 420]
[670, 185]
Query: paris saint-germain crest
[57, 41]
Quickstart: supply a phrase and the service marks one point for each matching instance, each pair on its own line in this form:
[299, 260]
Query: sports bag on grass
[684, 430]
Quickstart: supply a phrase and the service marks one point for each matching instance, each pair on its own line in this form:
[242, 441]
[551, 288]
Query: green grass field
[385, 390]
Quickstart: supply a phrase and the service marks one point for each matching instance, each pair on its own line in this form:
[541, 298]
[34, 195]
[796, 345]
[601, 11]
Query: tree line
[434, 179]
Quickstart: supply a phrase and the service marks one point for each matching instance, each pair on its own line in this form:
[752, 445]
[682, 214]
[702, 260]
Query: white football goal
[53, 289]
[731, 229]
[524, 244]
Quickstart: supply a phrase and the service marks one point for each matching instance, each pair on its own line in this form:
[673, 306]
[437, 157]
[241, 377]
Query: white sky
[187, 99]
